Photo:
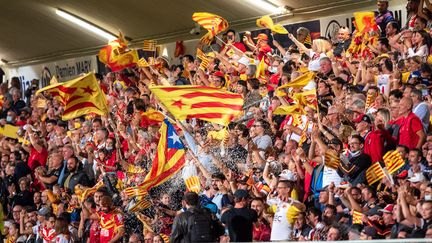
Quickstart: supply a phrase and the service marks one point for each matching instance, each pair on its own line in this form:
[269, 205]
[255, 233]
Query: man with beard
[76, 174]
[353, 166]
[220, 197]
[110, 219]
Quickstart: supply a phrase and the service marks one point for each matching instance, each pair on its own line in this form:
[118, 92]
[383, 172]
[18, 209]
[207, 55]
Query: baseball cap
[370, 231]
[43, 211]
[219, 176]
[219, 74]
[417, 177]
[240, 193]
[363, 117]
[287, 175]
[387, 209]
[261, 36]
[402, 175]
[335, 141]
[244, 60]
[373, 211]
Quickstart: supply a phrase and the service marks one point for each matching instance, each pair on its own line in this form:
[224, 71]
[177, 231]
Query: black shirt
[239, 222]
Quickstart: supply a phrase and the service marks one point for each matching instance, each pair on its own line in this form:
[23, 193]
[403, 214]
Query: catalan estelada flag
[79, 96]
[374, 173]
[169, 158]
[393, 161]
[202, 102]
[213, 23]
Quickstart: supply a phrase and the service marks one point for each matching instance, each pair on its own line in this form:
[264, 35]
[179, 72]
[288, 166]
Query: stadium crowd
[316, 174]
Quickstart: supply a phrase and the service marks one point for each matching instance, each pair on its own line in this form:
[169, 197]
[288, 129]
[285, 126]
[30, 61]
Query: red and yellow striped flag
[331, 159]
[79, 96]
[115, 56]
[149, 45]
[142, 63]
[356, 217]
[307, 98]
[169, 158]
[135, 169]
[135, 191]
[374, 173]
[213, 23]
[193, 184]
[393, 161]
[202, 102]
[140, 205]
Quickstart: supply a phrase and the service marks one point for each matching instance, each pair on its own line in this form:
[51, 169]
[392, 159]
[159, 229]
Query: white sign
[330, 25]
[63, 69]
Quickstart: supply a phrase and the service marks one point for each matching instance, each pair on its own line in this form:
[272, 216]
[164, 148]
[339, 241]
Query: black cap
[219, 176]
[240, 193]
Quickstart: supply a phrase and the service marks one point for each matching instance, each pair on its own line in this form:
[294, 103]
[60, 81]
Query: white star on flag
[175, 138]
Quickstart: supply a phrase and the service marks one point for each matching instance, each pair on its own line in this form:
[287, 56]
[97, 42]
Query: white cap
[244, 60]
[417, 177]
[287, 175]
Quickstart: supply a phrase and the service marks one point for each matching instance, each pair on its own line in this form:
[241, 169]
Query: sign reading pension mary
[64, 70]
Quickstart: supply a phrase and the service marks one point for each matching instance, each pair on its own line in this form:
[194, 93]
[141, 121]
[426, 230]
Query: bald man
[344, 41]
[411, 133]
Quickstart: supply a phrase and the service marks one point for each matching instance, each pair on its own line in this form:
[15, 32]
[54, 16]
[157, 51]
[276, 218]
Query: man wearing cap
[217, 79]
[239, 219]
[261, 48]
[383, 16]
[285, 211]
[368, 233]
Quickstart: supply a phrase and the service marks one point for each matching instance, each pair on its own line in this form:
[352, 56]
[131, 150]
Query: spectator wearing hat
[356, 162]
[239, 219]
[286, 209]
[368, 233]
[261, 48]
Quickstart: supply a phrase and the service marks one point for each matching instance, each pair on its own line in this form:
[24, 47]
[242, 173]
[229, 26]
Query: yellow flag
[357, 217]
[267, 22]
[79, 96]
[260, 71]
[218, 135]
[300, 81]
[9, 131]
[289, 110]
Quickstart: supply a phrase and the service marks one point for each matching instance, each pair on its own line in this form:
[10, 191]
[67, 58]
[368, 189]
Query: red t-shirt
[409, 126]
[37, 159]
[95, 231]
[109, 223]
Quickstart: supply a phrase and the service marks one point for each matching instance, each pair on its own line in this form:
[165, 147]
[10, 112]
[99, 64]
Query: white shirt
[282, 227]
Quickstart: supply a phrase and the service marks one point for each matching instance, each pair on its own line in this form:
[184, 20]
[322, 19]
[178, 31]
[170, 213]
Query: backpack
[200, 226]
